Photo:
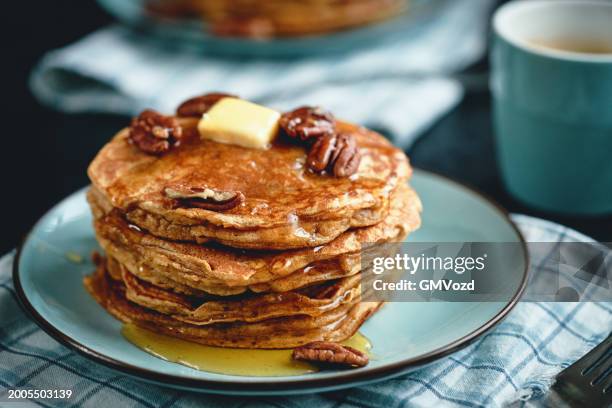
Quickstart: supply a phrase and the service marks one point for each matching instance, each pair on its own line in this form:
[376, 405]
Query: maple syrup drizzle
[230, 361]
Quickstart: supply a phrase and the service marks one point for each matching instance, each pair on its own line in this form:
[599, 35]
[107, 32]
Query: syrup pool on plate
[230, 361]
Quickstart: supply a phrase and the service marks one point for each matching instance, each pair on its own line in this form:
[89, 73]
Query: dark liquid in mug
[584, 47]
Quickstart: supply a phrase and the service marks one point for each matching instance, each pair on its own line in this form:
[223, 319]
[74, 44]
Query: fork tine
[587, 382]
[593, 358]
[601, 368]
[607, 385]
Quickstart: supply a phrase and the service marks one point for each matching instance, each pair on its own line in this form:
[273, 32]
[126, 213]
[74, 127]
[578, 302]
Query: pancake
[285, 205]
[283, 332]
[192, 268]
[312, 301]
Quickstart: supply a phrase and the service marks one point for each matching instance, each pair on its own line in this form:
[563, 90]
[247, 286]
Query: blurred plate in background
[193, 33]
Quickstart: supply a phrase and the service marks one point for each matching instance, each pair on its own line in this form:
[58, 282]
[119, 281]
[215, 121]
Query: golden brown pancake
[190, 268]
[336, 325]
[311, 301]
[285, 207]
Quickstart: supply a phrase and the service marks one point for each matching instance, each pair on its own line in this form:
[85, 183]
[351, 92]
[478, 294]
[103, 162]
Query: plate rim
[303, 385]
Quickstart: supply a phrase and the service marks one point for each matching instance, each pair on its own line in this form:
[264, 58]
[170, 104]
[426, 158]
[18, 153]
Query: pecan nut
[307, 123]
[336, 154]
[197, 106]
[331, 354]
[346, 158]
[154, 133]
[321, 152]
[204, 197]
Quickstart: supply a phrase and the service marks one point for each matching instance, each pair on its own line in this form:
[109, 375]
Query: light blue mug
[552, 89]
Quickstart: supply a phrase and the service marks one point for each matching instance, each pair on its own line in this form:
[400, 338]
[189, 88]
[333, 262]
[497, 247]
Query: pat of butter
[239, 122]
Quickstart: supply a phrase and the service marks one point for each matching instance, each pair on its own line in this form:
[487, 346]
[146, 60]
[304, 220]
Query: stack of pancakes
[280, 270]
[281, 18]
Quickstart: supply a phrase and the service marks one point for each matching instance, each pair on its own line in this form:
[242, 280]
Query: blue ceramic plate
[49, 271]
[193, 33]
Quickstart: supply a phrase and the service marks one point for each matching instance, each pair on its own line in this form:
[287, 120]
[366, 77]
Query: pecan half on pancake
[154, 133]
[307, 123]
[204, 197]
[336, 154]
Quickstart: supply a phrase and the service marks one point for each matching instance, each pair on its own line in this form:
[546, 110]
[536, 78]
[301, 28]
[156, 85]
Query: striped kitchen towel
[514, 364]
[399, 87]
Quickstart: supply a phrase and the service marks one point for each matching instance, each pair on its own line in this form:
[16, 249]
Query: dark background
[46, 153]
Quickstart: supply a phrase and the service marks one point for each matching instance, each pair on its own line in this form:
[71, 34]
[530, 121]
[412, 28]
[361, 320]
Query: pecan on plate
[330, 354]
[307, 123]
[336, 154]
[197, 106]
[204, 197]
[154, 133]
